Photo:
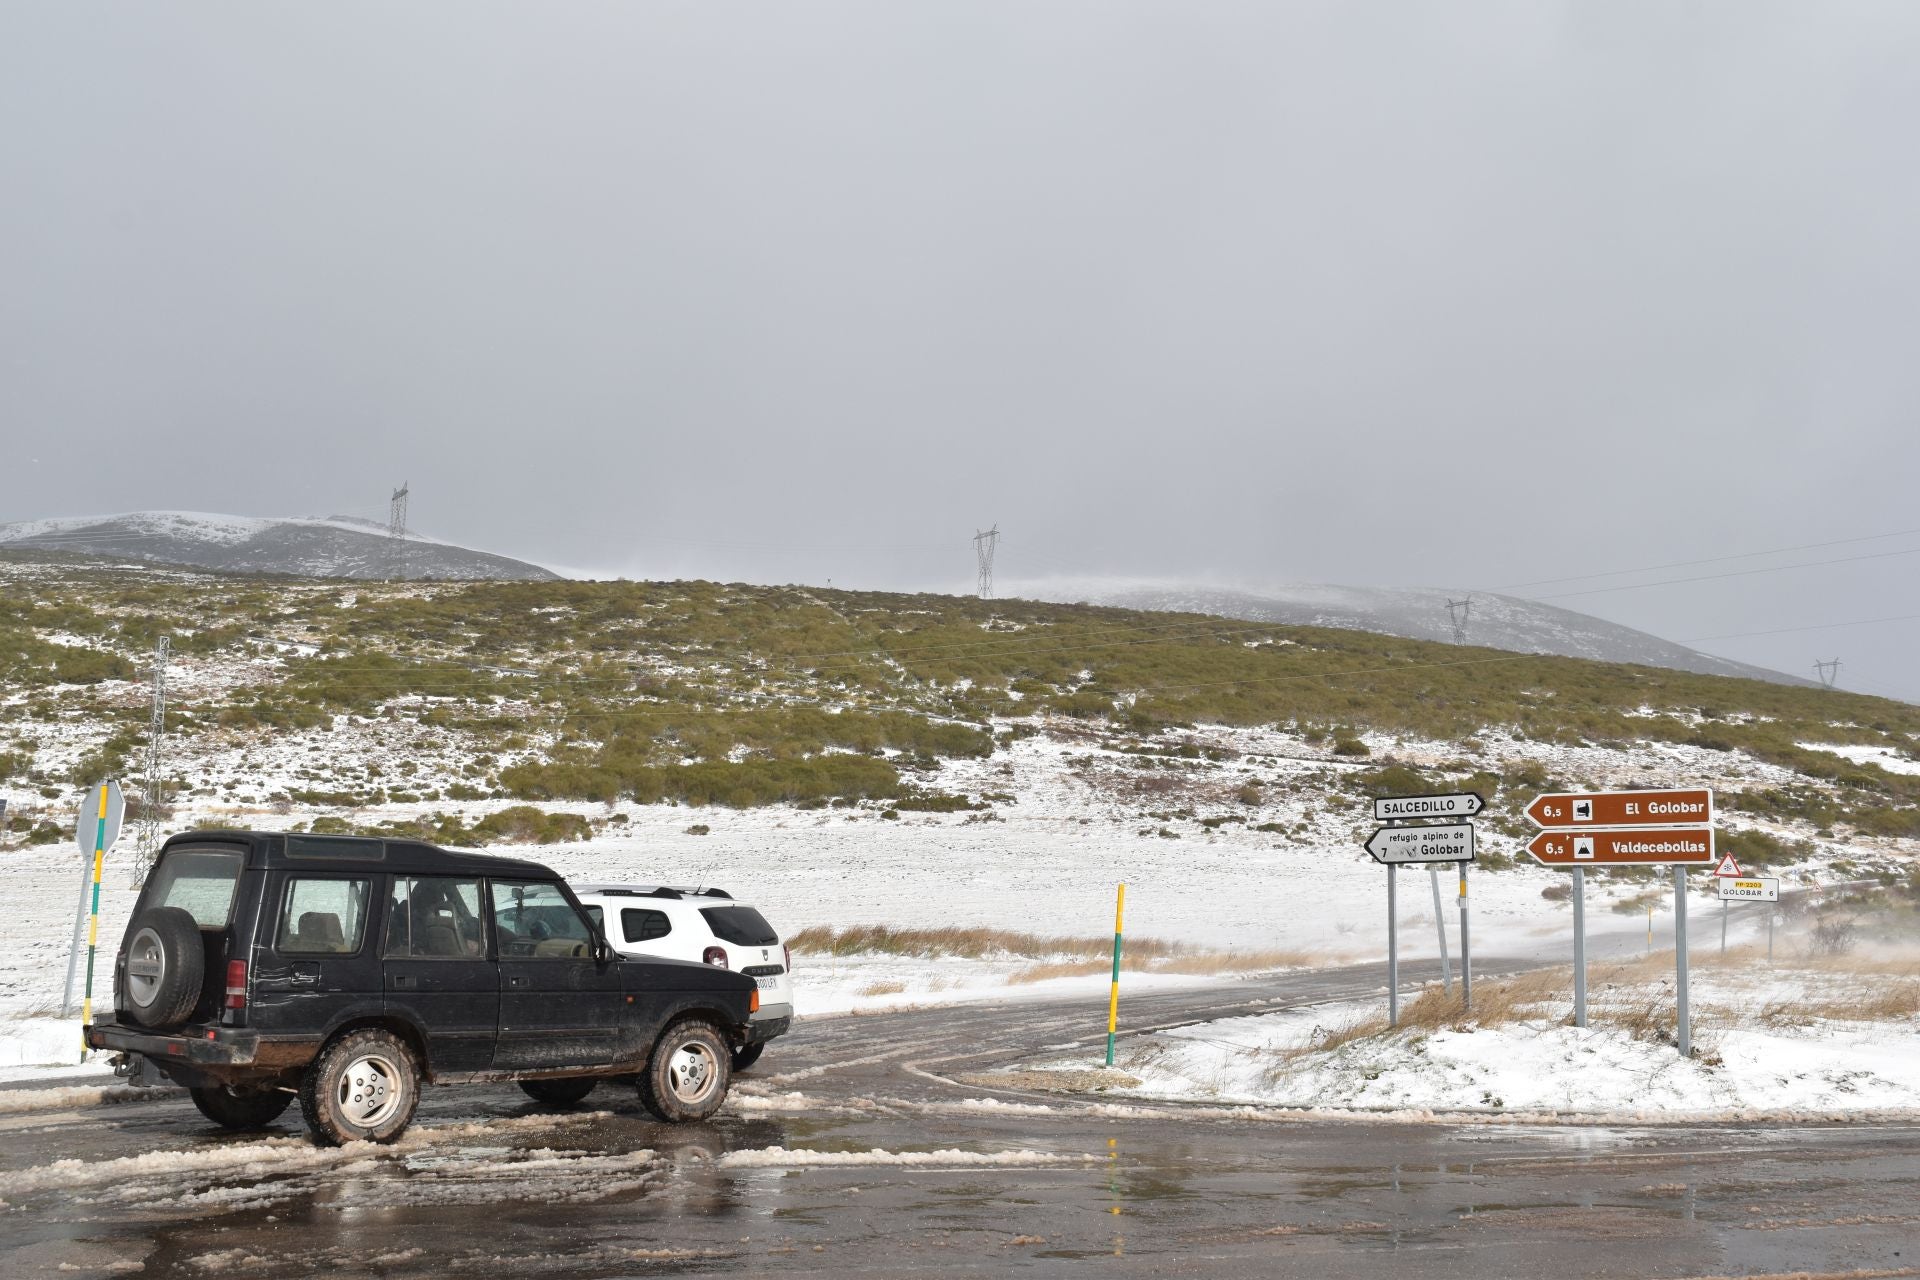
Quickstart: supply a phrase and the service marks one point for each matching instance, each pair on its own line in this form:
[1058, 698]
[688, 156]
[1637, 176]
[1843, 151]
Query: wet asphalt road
[488, 1184]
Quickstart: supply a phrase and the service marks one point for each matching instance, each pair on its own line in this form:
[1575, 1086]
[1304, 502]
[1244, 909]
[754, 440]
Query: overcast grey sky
[1456, 295]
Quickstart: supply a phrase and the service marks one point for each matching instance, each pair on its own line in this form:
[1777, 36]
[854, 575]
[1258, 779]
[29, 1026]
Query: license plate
[767, 982]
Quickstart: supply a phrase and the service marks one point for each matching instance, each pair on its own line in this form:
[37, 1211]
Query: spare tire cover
[165, 961]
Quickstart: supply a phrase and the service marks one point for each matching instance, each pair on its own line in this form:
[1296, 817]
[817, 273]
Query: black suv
[343, 971]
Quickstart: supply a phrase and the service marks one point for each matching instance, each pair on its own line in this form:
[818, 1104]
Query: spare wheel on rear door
[161, 981]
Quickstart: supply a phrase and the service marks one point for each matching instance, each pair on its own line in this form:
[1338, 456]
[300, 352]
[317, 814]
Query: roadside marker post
[1113, 997]
[109, 808]
[1671, 827]
[95, 830]
[1466, 948]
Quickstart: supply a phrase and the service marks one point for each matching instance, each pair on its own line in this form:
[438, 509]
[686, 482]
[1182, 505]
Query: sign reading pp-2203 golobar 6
[1417, 841]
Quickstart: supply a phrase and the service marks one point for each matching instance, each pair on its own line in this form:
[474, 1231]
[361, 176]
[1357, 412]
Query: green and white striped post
[1113, 998]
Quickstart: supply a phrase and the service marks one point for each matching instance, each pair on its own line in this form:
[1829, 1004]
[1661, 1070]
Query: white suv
[705, 925]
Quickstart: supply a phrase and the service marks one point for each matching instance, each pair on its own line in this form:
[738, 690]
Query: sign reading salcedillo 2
[1687, 846]
[1623, 808]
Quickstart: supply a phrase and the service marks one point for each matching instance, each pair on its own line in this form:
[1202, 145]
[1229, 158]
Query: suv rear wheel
[686, 1080]
[559, 1093]
[362, 1088]
[236, 1110]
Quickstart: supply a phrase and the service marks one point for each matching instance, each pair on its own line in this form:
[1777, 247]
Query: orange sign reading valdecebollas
[1687, 846]
[1680, 807]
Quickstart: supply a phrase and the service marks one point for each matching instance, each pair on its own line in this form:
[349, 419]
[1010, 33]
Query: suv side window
[642, 925]
[436, 917]
[323, 915]
[535, 920]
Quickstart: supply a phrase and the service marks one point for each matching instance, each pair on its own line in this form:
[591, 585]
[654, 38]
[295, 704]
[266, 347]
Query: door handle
[516, 981]
[403, 980]
[298, 979]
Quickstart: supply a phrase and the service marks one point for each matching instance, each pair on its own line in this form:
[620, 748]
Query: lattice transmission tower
[1829, 672]
[156, 736]
[397, 533]
[983, 547]
[1458, 611]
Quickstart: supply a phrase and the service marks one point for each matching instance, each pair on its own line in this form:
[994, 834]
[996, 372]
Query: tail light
[786, 953]
[753, 1000]
[236, 984]
[716, 956]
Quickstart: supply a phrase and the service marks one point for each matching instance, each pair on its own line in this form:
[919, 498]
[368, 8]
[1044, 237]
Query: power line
[1735, 573]
[1683, 564]
[1820, 626]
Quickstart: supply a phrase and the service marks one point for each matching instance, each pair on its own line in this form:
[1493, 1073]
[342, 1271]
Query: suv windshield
[199, 882]
[742, 926]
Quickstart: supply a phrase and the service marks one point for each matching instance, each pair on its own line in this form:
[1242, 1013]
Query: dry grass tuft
[1180, 961]
[972, 944]
[888, 988]
[1878, 1003]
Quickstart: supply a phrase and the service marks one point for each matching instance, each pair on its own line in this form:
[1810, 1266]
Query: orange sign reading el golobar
[1674, 808]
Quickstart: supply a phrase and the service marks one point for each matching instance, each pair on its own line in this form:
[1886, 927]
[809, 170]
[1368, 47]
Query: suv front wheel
[362, 1088]
[686, 1080]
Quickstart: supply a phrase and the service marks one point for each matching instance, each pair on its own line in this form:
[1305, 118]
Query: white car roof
[659, 893]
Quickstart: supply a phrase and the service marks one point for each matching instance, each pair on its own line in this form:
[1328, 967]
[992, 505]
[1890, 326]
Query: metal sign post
[1427, 843]
[1579, 946]
[1393, 945]
[1627, 829]
[1466, 948]
[1685, 1035]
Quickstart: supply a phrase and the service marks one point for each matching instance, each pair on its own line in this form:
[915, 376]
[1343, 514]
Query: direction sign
[1451, 842]
[1750, 889]
[1622, 808]
[1392, 808]
[90, 827]
[1686, 846]
[1728, 867]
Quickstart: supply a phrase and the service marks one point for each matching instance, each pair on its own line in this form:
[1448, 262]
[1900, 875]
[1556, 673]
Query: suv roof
[650, 891]
[412, 857]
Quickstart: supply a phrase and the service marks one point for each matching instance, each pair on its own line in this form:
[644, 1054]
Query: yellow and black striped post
[93, 913]
[1113, 997]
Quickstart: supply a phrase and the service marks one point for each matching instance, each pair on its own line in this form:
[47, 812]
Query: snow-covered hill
[1496, 621]
[330, 547]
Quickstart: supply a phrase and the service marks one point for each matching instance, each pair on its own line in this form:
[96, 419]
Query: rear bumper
[225, 1053]
[769, 1021]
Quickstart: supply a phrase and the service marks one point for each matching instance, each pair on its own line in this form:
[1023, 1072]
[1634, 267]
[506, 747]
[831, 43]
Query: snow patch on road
[949, 1158]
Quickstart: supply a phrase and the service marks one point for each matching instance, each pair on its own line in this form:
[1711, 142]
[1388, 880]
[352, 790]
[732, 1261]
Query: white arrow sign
[1451, 842]
[1392, 808]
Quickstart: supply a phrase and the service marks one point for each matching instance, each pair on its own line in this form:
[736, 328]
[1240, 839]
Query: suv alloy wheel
[686, 1079]
[362, 1088]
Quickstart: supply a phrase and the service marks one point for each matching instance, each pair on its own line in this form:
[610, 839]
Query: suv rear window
[742, 926]
[199, 882]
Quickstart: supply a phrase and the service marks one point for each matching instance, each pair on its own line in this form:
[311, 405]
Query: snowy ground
[1069, 817]
[1754, 1056]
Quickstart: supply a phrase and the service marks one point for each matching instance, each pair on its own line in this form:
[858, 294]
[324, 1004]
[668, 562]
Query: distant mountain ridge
[313, 547]
[1495, 621]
